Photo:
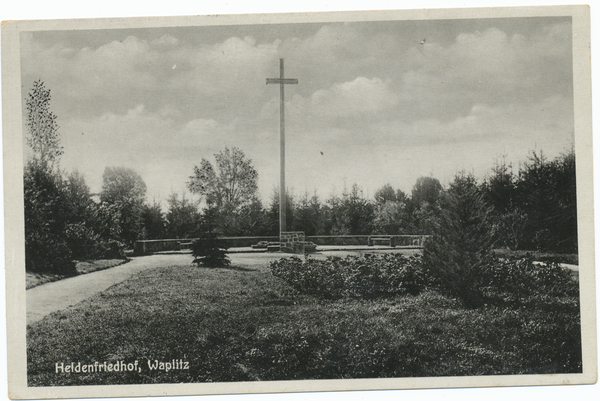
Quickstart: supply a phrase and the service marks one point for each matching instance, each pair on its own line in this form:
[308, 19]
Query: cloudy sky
[376, 103]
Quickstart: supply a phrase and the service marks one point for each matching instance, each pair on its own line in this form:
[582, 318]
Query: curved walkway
[51, 297]
[58, 295]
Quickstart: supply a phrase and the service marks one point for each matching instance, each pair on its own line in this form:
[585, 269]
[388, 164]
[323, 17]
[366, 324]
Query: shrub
[518, 278]
[45, 252]
[46, 248]
[208, 250]
[370, 276]
[461, 244]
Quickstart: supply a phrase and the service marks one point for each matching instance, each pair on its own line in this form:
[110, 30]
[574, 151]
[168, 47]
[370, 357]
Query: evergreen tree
[208, 250]
[153, 221]
[273, 213]
[547, 193]
[309, 216]
[183, 217]
[462, 239]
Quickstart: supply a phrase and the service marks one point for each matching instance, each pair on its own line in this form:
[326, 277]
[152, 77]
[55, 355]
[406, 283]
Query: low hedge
[516, 278]
[387, 275]
[369, 276]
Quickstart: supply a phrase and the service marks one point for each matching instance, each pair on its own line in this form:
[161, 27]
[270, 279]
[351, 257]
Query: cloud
[160, 73]
[357, 102]
[372, 97]
[486, 67]
[362, 95]
[162, 150]
[229, 66]
[138, 139]
[166, 41]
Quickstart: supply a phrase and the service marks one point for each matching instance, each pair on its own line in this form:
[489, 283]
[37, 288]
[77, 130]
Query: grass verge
[83, 267]
[239, 324]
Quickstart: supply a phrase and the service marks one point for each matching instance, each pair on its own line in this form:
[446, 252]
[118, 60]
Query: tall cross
[281, 81]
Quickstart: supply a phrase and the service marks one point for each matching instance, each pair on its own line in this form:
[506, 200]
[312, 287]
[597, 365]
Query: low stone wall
[158, 245]
[147, 247]
[243, 242]
[400, 240]
[338, 239]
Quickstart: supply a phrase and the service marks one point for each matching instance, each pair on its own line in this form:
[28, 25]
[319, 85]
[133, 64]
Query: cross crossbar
[282, 81]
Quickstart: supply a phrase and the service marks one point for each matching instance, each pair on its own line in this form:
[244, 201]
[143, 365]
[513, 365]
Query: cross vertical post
[282, 198]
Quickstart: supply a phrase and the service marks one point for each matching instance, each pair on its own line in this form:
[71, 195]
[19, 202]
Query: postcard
[302, 202]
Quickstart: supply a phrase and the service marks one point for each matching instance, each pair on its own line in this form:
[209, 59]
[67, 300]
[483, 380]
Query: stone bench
[185, 245]
[382, 240]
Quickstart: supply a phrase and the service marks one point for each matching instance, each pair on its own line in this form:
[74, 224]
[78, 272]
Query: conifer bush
[208, 250]
[462, 240]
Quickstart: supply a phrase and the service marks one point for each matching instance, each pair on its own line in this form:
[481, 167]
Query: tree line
[533, 207]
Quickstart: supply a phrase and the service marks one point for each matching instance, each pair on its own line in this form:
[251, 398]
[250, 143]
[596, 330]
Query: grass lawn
[242, 323]
[83, 267]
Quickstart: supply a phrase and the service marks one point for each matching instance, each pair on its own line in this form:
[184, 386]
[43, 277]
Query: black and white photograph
[275, 203]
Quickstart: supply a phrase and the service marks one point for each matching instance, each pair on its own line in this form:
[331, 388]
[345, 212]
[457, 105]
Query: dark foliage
[547, 193]
[92, 230]
[125, 189]
[369, 277]
[46, 213]
[426, 190]
[351, 214]
[153, 222]
[208, 250]
[462, 239]
[515, 279]
[309, 216]
[272, 215]
[183, 217]
[63, 223]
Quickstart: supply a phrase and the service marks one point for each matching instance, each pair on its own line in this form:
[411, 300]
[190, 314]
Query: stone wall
[400, 240]
[159, 245]
[151, 246]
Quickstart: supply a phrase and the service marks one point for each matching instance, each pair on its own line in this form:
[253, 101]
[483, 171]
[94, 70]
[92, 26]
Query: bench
[273, 247]
[382, 240]
[185, 245]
